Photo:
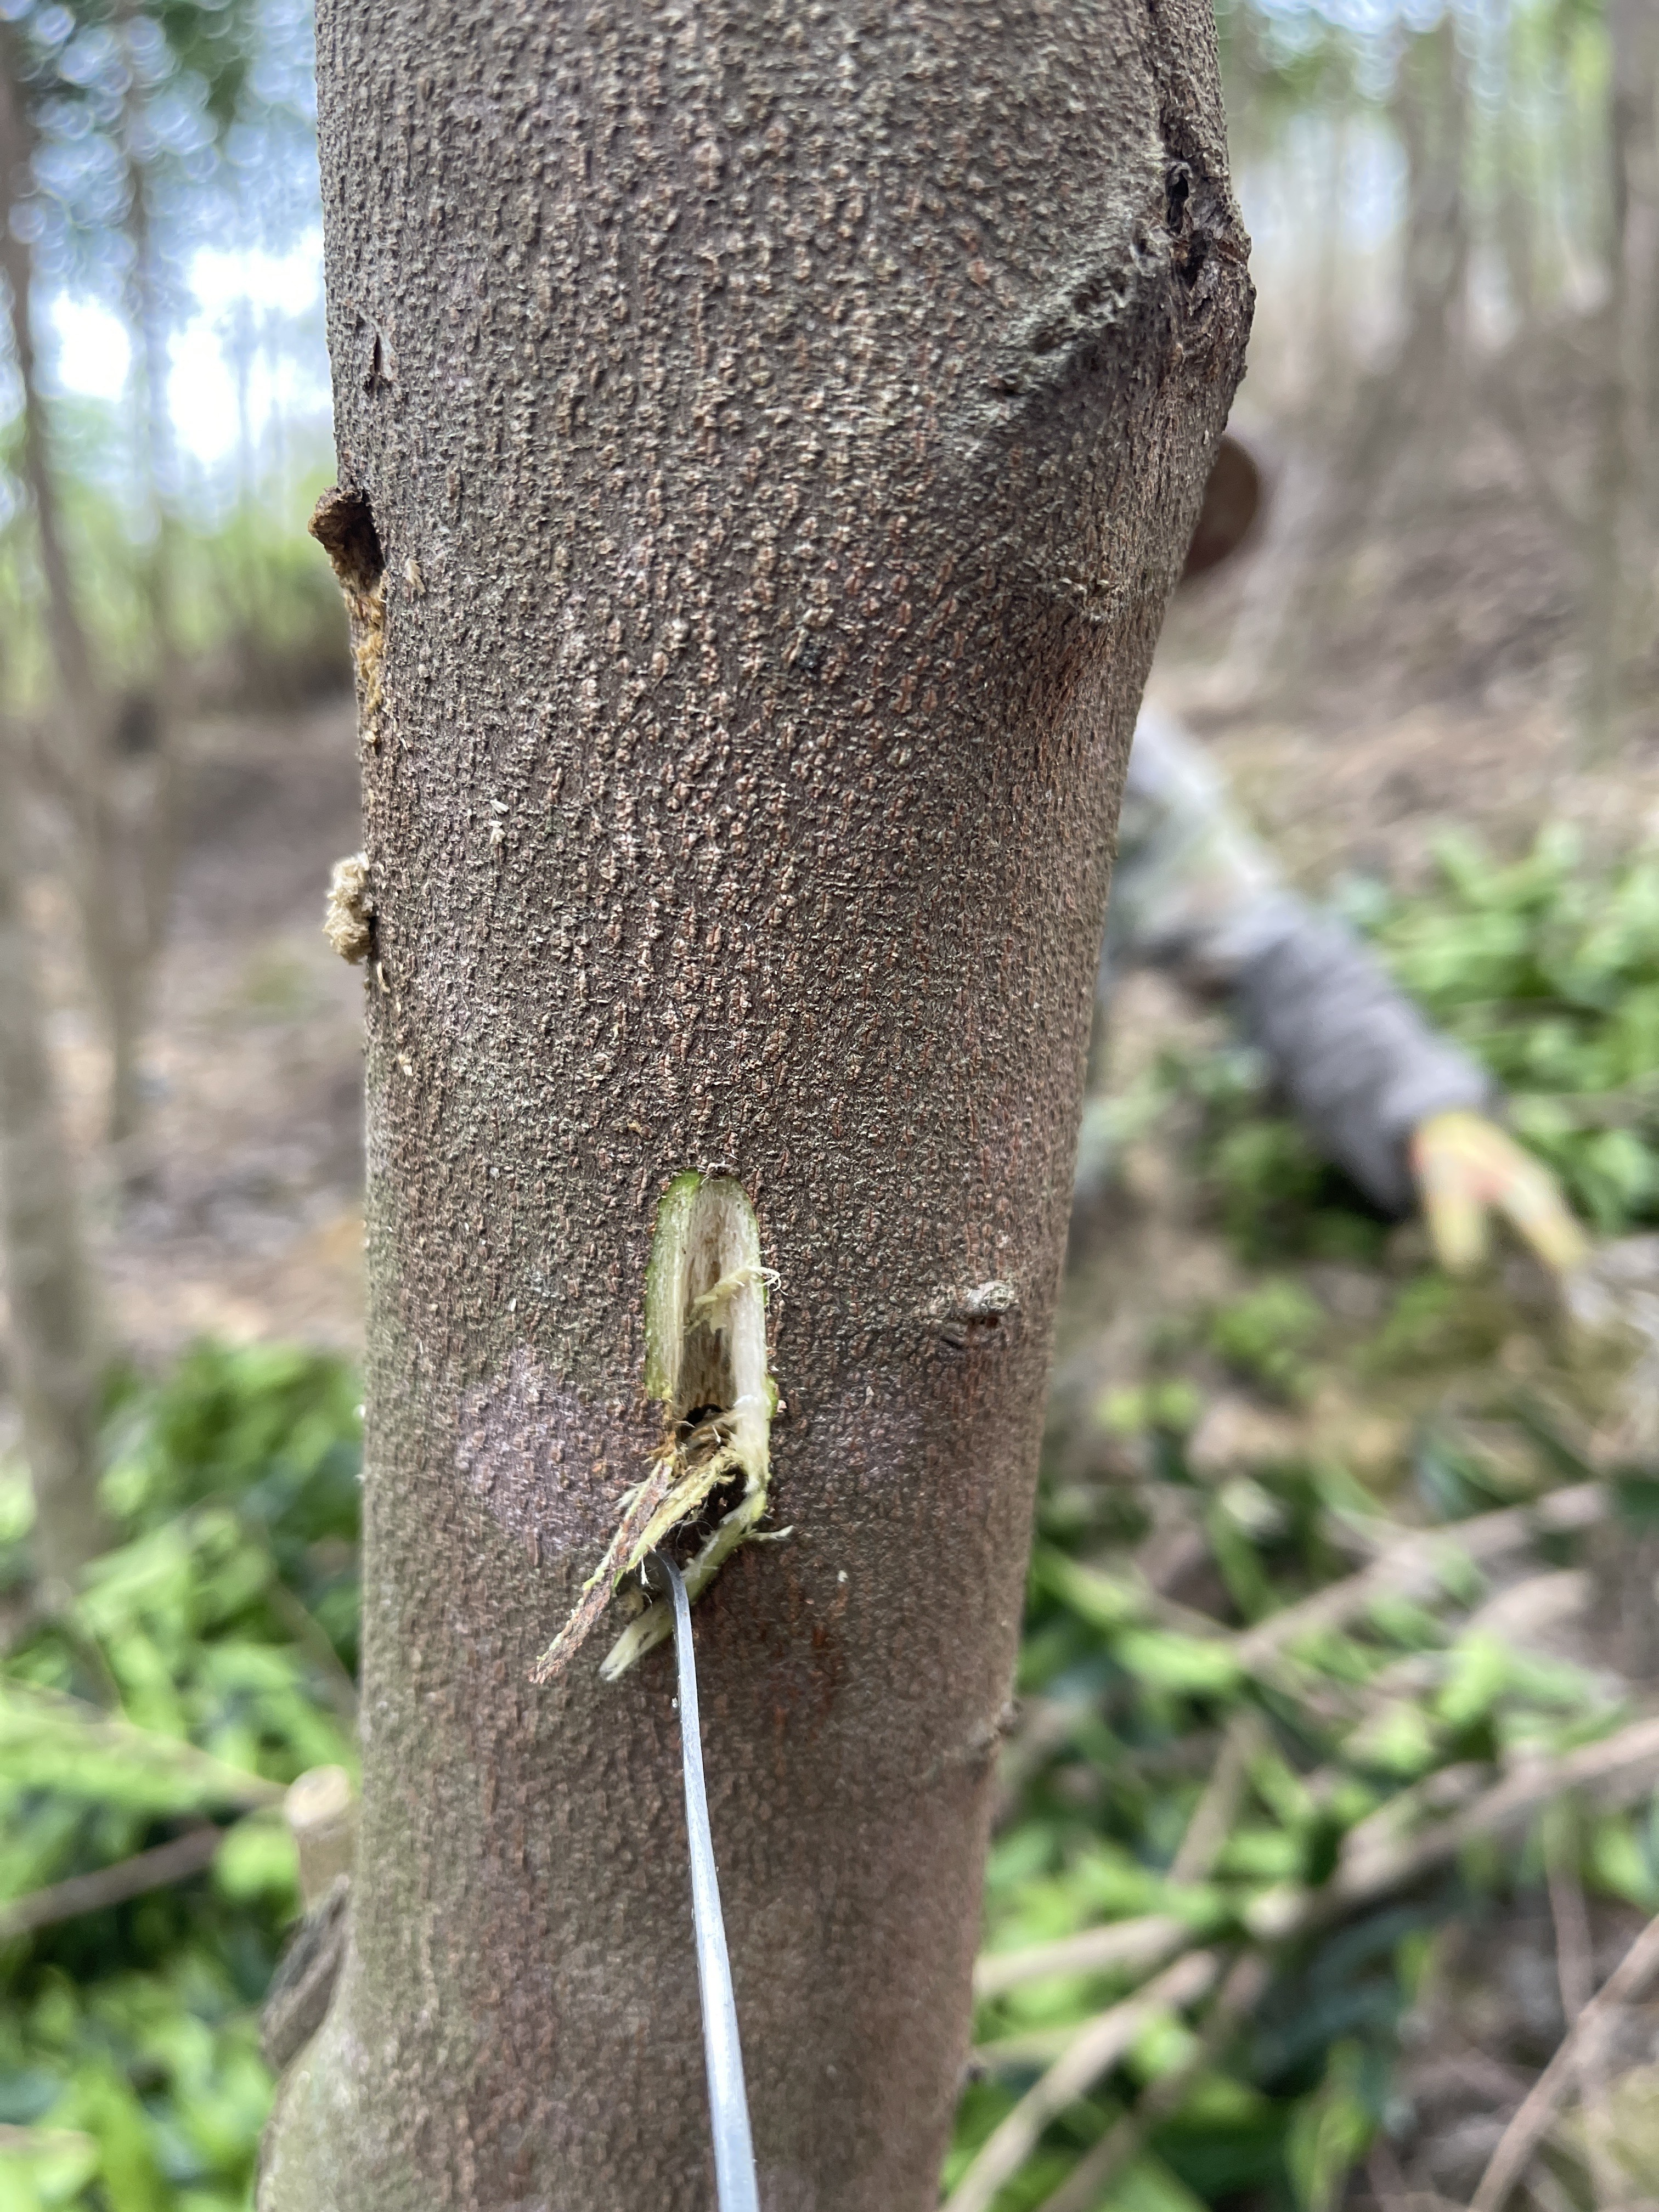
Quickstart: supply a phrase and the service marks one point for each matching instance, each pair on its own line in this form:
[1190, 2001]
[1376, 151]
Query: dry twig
[1575, 1965]
[1613, 1770]
[1145, 1944]
[42, 2143]
[1217, 1810]
[1093, 2050]
[1085, 2187]
[1375, 1860]
[1418, 1564]
[1531, 2123]
[90, 1893]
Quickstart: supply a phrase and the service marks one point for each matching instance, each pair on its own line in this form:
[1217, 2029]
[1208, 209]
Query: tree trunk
[1614, 551]
[153, 440]
[146, 765]
[53, 1354]
[112, 816]
[768, 437]
[1400, 449]
[1391, 450]
[52, 1339]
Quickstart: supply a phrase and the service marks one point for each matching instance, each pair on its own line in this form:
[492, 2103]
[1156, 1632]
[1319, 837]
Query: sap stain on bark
[534, 1451]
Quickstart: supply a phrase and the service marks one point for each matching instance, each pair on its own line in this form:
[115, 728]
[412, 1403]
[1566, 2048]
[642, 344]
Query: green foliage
[202, 1666]
[1265, 1334]
[1550, 976]
[1128, 1703]
[1545, 971]
[1549, 973]
[254, 602]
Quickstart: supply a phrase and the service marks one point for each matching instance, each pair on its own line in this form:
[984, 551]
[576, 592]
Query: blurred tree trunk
[1619, 537]
[1390, 450]
[1517, 188]
[113, 796]
[1430, 110]
[153, 440]
[768, 438]
[1327, 381]
[52, 1340]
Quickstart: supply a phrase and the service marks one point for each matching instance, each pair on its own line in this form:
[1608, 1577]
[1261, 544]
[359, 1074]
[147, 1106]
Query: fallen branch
[1144, 1944]
[1417, 1567]
[1085, 2188]
[313, 1639]
[1098, 2046]
[42, 2143]
[28, 1712]
[1543, 1601]
[1375, 1860]
[1531, 2123]
[1575, 1967]
[90, 1893]
[1619, 1767]
[1027, 2049]
[1216, 1814]
[1615, 1769]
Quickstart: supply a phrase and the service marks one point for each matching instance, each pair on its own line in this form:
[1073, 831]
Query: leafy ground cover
[1298, 1712]
[205, 1664]
[1323, 1666]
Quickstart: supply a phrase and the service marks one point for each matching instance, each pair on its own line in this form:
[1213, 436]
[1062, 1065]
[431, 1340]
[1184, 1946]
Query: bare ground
[242, 1218]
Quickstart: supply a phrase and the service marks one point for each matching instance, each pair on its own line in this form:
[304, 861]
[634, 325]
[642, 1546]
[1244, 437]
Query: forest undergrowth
[1336, 1719]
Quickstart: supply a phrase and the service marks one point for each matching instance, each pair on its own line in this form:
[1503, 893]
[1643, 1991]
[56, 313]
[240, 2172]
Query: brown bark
[52, 1337]
[52, 1341]
[781, 428]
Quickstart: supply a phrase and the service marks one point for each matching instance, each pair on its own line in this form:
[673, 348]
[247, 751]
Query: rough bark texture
[781, 427]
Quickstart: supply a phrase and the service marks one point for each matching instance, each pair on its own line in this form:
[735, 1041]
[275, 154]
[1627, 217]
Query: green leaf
[1330, 2131]
[1149, 2186]
[1109, 1603]
[1184, 1663]
[258, 1860]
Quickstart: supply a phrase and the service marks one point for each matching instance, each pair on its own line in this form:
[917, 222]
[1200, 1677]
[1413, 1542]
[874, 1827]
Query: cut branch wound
[705, 1364]
[343, 523]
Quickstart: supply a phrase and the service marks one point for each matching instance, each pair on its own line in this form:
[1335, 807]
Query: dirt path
[246, 1219]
